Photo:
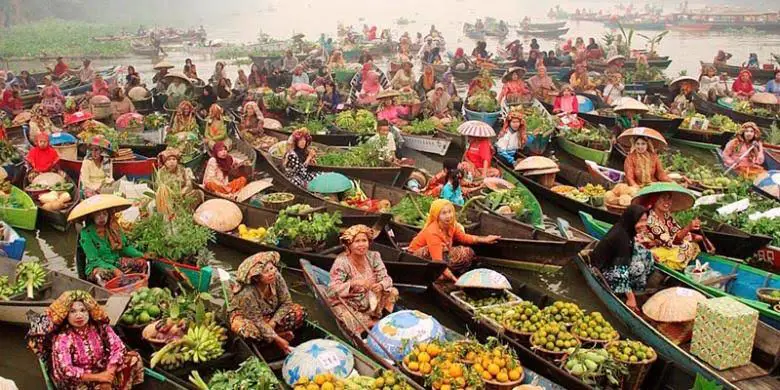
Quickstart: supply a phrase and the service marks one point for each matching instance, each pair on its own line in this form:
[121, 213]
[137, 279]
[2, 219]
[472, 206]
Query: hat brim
[97, 203]
[682, 199]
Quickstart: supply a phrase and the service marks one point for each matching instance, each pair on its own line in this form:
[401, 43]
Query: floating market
[554, 200]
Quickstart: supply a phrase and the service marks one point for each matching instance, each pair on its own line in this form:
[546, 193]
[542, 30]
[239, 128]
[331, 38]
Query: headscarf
[742, 141]
[436, 208]
[449, 86]
[459, 53]
[253, 266]
[44, 327]
[644, 162]
[348, 237]
[185, 104]
[167, 153]
[428, 77]
[42, 159]
[246, 121]
[371, 83]
[740, 85]
[215, 111]
[522, 135]
[99, 86]
[297, 135]
[367, 67]
[225, 164]
[618, 245]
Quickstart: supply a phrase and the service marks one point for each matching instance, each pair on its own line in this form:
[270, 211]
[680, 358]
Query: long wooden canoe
[318, 280]
[710, 108]
[58, 219]
[758, 75]
[583, 152]
[153, 380]
[702, 139]
[759, 374]
[741, 284]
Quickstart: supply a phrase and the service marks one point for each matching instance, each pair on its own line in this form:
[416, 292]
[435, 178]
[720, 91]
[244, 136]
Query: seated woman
[330, 98]
[642, 165]
[369, 89]
[336, 60]
[450, 89]
[743, 85]
[323, 76]
[82, 351]
[580, 81]
[298, 158]
[184, 119]
[107, 250]
[175, 174]
[42, 157]
[437, 181]
[403, 80]
[52, 101]
[252, 119]
[477, 159]
[621, 258]
[541, 84]
[216, 129]
[242, 82]
[389, 111]
[460, 61]
[672, 245]
[711, 85]
[223, 89]
[40, 122]
[745, 153]
[437, 238]
[514, 90]
[452, 190]
[257, 77]
[261, 307]
[120, 103]
[100, 86]
[439, 103]
[613, 90]
[427, 81]
[513, 136]
[96, 175]
[216, 178]
[360, 288]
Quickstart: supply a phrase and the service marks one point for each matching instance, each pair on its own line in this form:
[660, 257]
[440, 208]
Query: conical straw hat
[535, 163]
[627, 103]
[253, 188]
[97, 203]
[675, 304]
[627, 137]
[764, 98]
[163, 65]
[476, 129]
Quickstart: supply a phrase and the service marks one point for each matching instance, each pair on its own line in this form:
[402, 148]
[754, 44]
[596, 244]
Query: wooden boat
[756, 375]
[364, 365]
[435, 144]
[702, 139]
[57, 219]
[542, 26]
[318, 279]
[14, 311]
[143, 50]
[638, 25]
[16, 171]
[661, 63]
[356, 83]
[465, 75]
[709, 108]
[403, 267]
[739, 281]
[758, 190]
[470, 31]
[583, 152]
[78, 88]
[551, 33]
[690, 27]
[153, 380]
[771, 157]
[139, 168]
[759, 75]
[392, 175]
[23, 217]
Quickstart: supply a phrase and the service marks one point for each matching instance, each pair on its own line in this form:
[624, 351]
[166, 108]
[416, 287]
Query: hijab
[42, 159]
[225, 164]
[371, 83]
[618, 245]
[428, 78]
[253, 121]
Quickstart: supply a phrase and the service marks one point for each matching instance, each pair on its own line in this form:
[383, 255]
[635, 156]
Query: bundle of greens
[749, 108]
[361, 121]
[643, 72]
[365, 155]
[275, 101]
[155, 120]
[538, 122]
[8, 153]
[315, 126]
[311, 231]
[251, 374]
[452, 126]
[483, 101]
[420, 127]
[590, 137]
[514, 202]
[773, 136]
[701, 174]
[412, 210]
[306, 103]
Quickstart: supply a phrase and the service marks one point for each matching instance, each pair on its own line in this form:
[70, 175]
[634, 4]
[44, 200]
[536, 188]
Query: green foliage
[8, 153]
[365, 155]
[702, 383]
[538, 122]
[275, 101]
[420, 127]
[518, 201]
[303, 231]
[315, 126]
[53, 37]
[591, 137]
[412, 210]
[306, 103]
[251, 374]
[360, 121]
[773, 136]
[483, 101]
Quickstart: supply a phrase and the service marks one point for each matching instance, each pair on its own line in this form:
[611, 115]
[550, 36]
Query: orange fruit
[478, 368]
[455, 371]
[319, 379]
[501, 363]
[446, 387]
[414, 366]
[328, 386]
[433, 350]
[423, 357]
[470, 356]
[486, 375]
[493, 369]
[514, 374]
[502, 377]
[425, 368]
[312, 386]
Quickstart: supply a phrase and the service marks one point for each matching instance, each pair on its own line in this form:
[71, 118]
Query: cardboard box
[723, 332]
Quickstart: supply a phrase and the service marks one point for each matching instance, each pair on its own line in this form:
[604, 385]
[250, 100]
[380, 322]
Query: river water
[282, 19]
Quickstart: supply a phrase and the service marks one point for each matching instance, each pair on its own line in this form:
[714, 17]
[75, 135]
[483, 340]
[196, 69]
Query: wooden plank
[748, 371]
[764, 383]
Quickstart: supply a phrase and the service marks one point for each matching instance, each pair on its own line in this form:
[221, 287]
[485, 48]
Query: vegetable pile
[594, 327]
[275, 101]
[538, 122]
[146, 305]
[620, 195]
[521, 317]
[358, 199]
[315, 126]
[629, 351]
[412, 210]
[202, 342]
[749, 108]
[590, 365]
[365, 155]
[590, 137]
[706, 176]
[483, 101]
[554, 337]
[305, 102]
[8, 153]
[251, 374]
[566, 312]
[306, 231]
[512, 203]
[30, 276]
[155, 120]
[360, 121]
[420, 127]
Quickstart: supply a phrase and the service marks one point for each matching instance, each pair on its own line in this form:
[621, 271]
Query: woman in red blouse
[478, 157]
[743, 85]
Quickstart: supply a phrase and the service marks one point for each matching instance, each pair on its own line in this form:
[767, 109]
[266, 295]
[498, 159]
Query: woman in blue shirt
[451, 190]
[773, 86]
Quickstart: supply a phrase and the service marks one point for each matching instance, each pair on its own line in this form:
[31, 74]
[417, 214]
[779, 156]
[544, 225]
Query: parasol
[508, 75]
[329, 183]
[535, 163]
[769, 182]
[253, 188]
[163, 65]
[628, 103]
[388, 93]
[682, 199]
[584, 104]
[627, 137]
[97, 203]
[60, 138]
[764, 98]
[400, 331]
[676, 82]
[77, 117]
[318, 356]
[483, 278]
[476, 129]
[221, 215]
[675, 304]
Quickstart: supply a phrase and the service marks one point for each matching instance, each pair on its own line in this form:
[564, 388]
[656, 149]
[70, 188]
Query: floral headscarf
[459, 52]
[253, 266]
[185, 106]
[521, 131]
[215, 112]
[747, 72]
[168, 153]
[348, 237]
[225, 164]
[44, 327]
[256, 109]
[298, 134]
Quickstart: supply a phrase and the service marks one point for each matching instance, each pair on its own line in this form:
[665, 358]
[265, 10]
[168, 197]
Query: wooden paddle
[739, 159]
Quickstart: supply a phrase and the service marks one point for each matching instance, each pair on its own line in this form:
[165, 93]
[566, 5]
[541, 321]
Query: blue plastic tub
[488, 117]
[12, 244]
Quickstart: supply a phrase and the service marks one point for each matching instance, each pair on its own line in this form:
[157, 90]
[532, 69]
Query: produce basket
[155, 343]
[460, 297]
[494, 385]
[777, 307]
[593, 342]
[101, 110]
[67, 151]
[549, 355]
[126, 284]
[415, 375]
[522, 337]
[765, 295]
[596, 201]
[488, 117]
[277, 200]
[636, 371]
[617, 209]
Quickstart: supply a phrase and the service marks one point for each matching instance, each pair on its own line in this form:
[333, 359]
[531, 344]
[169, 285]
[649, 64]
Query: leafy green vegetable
[516, 199]
[303, 231]
[315, 126]
[412, 210]
[591, 137]
[538, 122]
[367, 155]
[420, 127]
[53, 37]
[251, 374]
[306, 103]
[275, 101]
[361, 121]
[483, 101]
[8, 153]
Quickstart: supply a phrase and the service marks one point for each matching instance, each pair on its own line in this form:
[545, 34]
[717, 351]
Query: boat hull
[759, 75]
[583, 153]
[710, 108]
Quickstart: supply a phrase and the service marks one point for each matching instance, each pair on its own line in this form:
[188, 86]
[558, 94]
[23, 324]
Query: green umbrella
[329, 183]
[682, 199]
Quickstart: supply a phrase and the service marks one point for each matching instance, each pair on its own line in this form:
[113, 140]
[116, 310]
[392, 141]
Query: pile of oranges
[419, 360]
[320, 382]
[498, 365]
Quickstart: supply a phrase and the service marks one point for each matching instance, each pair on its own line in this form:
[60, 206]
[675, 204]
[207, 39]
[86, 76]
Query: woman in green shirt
[107, 251]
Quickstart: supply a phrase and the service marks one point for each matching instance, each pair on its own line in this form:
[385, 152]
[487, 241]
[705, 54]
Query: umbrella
[627, 103]
[272, 124]
[99, 140]
[60, 138]
[178, 75]
[253, 188]
[476, 129]
[483, 278]
[124, 119]
[673, 85]
[675, 304]
[221, 215]
[163, 65]
[318, 356]
[627, 137]
[682, 199]
[497, 184]
[77, 117]
[97, 203]
[400, 331]
[535, 162]
[769, 182]
[329, 183]
[584, 104]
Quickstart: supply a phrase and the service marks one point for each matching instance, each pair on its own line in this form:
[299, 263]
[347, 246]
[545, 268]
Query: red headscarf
[367, 67]
[459, 53]
[743, 86]
[42, 159]
[225, 164]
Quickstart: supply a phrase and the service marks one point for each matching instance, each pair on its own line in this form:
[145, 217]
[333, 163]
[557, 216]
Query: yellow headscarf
[437, 207]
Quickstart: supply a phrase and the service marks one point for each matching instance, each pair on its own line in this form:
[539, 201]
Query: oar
[368, 331]
[224, 278]
[739, 159]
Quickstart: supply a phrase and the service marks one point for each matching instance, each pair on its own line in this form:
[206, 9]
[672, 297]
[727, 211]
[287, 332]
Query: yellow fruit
[423, 357]
[312, 386]
[319, 379]
[425, 368]
[515, 374]
[422, 347]
[299, 387]
[486, 375]
[414, 366]
[379, 383]
[242, 229]
[433, 350]
[501, 363]
[478, 368]
[455, 371]
[328, 386]
[446, 387]
[502, 377]
[470, 356]
[493, 369]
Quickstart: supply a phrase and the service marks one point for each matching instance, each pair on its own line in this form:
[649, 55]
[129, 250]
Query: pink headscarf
[371, 83]
[367, 67]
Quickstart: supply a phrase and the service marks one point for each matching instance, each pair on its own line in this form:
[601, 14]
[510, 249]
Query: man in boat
[289, 62]
[86, 74]
[96, 175]
[711, 85]
[360, 288]
[721, 58]
[261, 307]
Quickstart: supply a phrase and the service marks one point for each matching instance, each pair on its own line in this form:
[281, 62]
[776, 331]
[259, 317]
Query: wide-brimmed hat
[97, 203]
[476, 129]
[682, 199]
[764, 98]
[615, 58]
[163, 65]
[628, 137]
[676, 82]
[534, 163]
[388, 93]
[77, 117]
[515, 69]
[497, 184]
[329, 183]
[177, 75]
[272, 124]
[628, 103]
[100, 141]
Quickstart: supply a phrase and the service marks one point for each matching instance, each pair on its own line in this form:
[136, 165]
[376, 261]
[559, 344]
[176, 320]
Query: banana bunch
[201, 344]
[211, 324]
[170, 356]
[30, 275]
[6, 290]
[196, 380]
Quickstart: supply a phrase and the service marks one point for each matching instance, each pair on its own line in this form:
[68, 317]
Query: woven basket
[67, 151]
[549, 355]
[636, 372]
[277, 205]
[764, 296]
[101, 110]
[593, 342]
[493, 385]
[615, 208]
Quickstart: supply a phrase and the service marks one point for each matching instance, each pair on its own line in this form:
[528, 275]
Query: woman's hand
[490, 239]
[360, 284]
[695, 225]
[631, 302]
[283, 344]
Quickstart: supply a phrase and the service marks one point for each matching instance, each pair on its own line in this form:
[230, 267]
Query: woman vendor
[513, 136]
[566, 101]
[683, 101]
[627, 114]
[184, 119]
[743, 85]
[100, 86]
[106, 248]
[96, 173]
[52, 100]
[323, 76]
[482, 83]
[252, 119]
[172, 172]
[541, 84]
[613, 90]
[403, 78]
[477, 158]
[745, 153]
[672, 245]
[389, 111]
[580, 81]
[514, 90]
[40, 122]
[621, 258]
[216, 178]
[330, 98]
[439, 103]
[216, 129]
[42, 158]
[120, 103]
[336, 60]
[437, 181]
[74, 336]
[427, 81]
[437, 239]
[261, 307]
[370, 87]
[360, 288]
[460, 61]
[711, 85]
[298, 158]
[642, 165]
[257, 78]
